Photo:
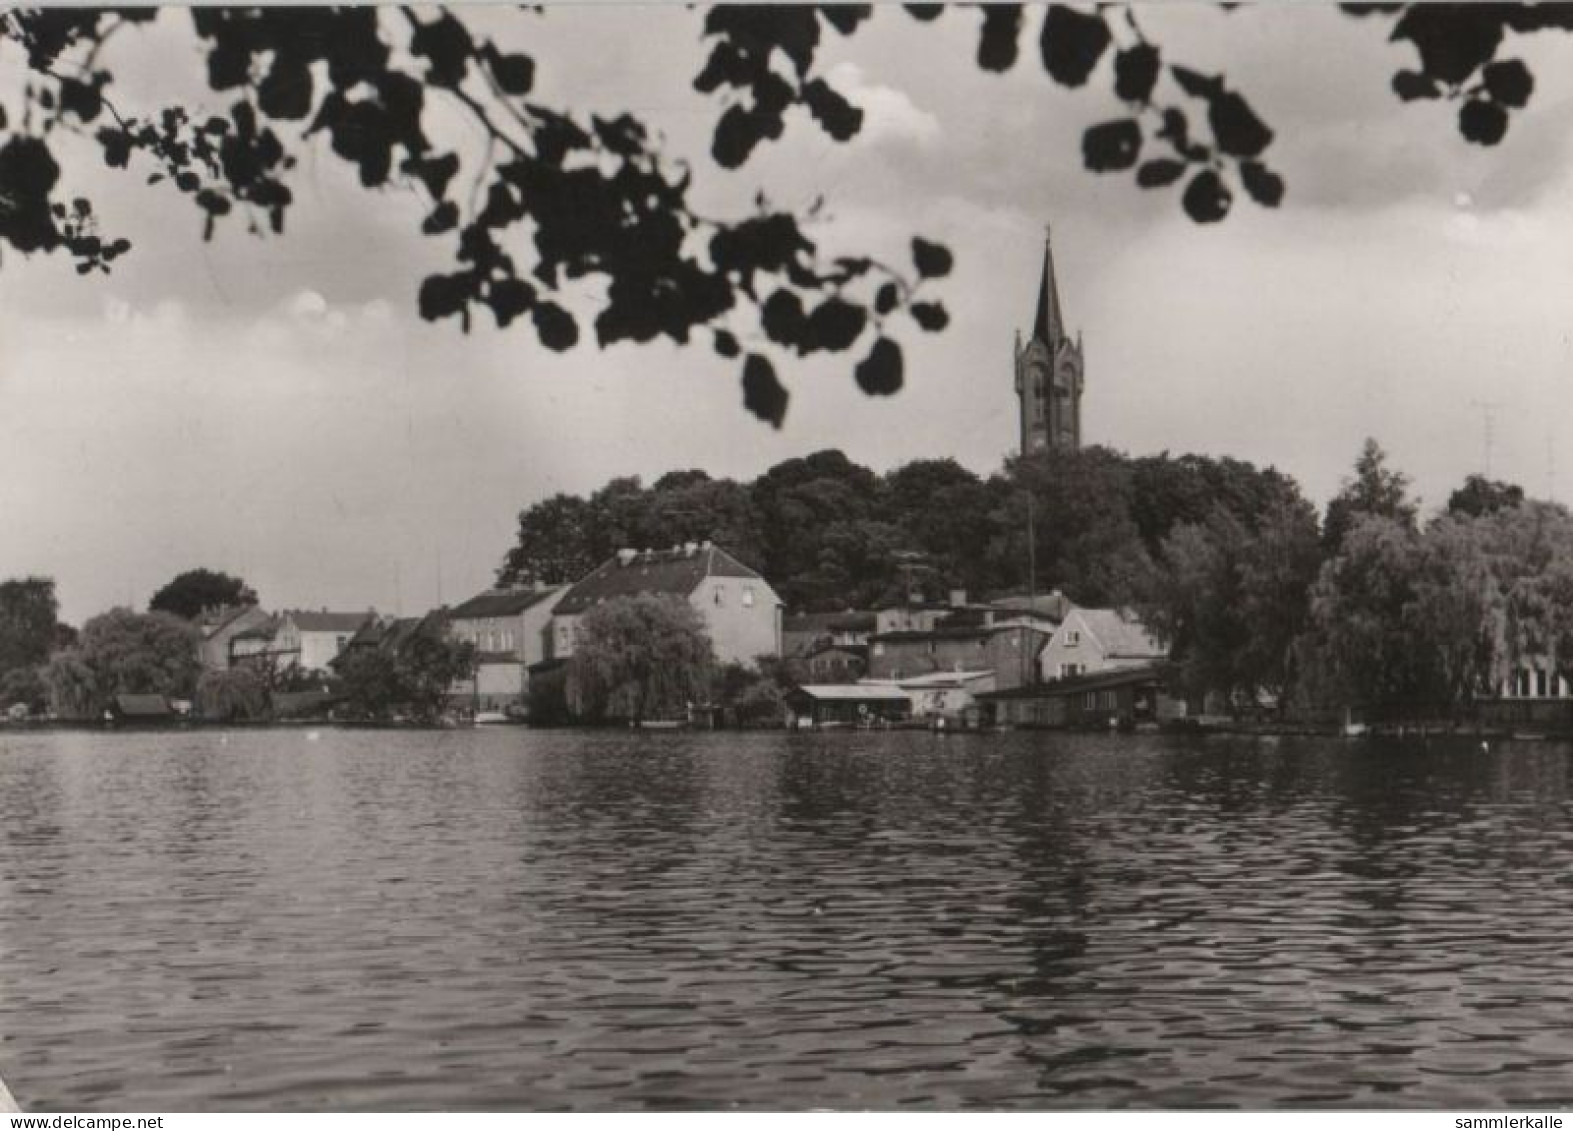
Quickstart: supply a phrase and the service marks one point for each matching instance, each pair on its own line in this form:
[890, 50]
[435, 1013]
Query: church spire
[1050, 325]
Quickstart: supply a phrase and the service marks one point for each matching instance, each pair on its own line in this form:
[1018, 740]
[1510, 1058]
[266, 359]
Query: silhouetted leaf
[1453, 39]
[1136, 72]
[834, 325]
[932, 260]
[117, 147]
[886, 299]
[434, 172]
[443, 295]
[1196, 84]
[1235, 125]
[726, 343]
[930, 315]
[446, 45]
[840, 119]
[1159, 172]
[763, 394]
[515, 74]
[924, 12]
[845, 17]
[1072, 42]
[81, 98]
[737, 131]
[997, 42]
[443, 218]
[1206, 198]
[510, 298]
[1112, 145]
[879, 374]
[286, 90]
[555, 326]
[1412, 85]
[1482, 122]
[783, 318]
[1265, 186]
[1509, 82]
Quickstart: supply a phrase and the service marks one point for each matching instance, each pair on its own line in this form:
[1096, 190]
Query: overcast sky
[277, 409]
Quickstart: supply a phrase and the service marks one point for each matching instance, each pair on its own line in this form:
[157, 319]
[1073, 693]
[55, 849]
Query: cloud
[889, 115]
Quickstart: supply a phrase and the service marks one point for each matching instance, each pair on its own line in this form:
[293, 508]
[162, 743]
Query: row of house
[1017, 660]
[515, 630]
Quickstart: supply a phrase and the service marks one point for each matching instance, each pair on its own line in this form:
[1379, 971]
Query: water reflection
[511, 919]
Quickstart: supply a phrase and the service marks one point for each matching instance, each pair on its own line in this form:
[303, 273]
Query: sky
[277, 409]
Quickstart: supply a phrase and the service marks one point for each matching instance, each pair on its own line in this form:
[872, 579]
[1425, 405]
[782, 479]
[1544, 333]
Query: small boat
[491, 718]
[661, 724]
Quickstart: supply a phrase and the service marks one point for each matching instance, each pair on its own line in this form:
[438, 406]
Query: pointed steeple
[1050, 325]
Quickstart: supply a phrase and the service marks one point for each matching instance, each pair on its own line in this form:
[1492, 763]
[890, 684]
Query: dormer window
[1072, 637]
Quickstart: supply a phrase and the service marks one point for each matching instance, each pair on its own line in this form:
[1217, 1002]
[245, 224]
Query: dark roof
[212, 620]
[858, 651]
[142, 706]
[629, 573]
[915, 637]
[1078, 684]
[853, 620]
[324, 621]
[501, 603]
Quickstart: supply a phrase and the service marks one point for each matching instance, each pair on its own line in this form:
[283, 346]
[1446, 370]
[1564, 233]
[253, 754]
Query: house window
[879, 649]
[748, 596]
[720, 597]
[1540, 683]
[1068, 670]
[1072, 637]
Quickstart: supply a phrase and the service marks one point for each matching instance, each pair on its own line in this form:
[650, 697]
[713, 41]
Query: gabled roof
[324, 621]
[1121, 635]
[629, 573]
[854, 692]
[212, 621]
[262, 630]
[502, 603]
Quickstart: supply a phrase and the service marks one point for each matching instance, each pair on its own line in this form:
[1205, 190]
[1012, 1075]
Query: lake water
[515, 919]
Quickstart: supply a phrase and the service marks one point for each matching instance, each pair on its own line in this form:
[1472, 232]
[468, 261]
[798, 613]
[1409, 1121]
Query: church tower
[1049, 372]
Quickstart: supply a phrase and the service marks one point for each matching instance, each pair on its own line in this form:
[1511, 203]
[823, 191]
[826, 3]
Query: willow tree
[640, 657]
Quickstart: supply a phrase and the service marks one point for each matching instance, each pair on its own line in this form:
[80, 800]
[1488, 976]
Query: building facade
[741, 613]
[510, 629]
[1098, 640]
[1049, 372]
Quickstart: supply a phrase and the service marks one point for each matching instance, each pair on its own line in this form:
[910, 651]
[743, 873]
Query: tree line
[1260, 598]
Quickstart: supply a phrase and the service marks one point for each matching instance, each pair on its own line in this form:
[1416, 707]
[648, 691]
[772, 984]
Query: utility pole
[1488, 423]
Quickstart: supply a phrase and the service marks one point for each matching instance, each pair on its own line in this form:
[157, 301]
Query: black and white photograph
[655, 557]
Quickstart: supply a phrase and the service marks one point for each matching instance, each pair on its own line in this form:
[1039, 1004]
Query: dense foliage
[637, 658]
[559, 196]
[29, 631]
[410, 676]
[123, 652]
[830, 534]
[190, 593]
